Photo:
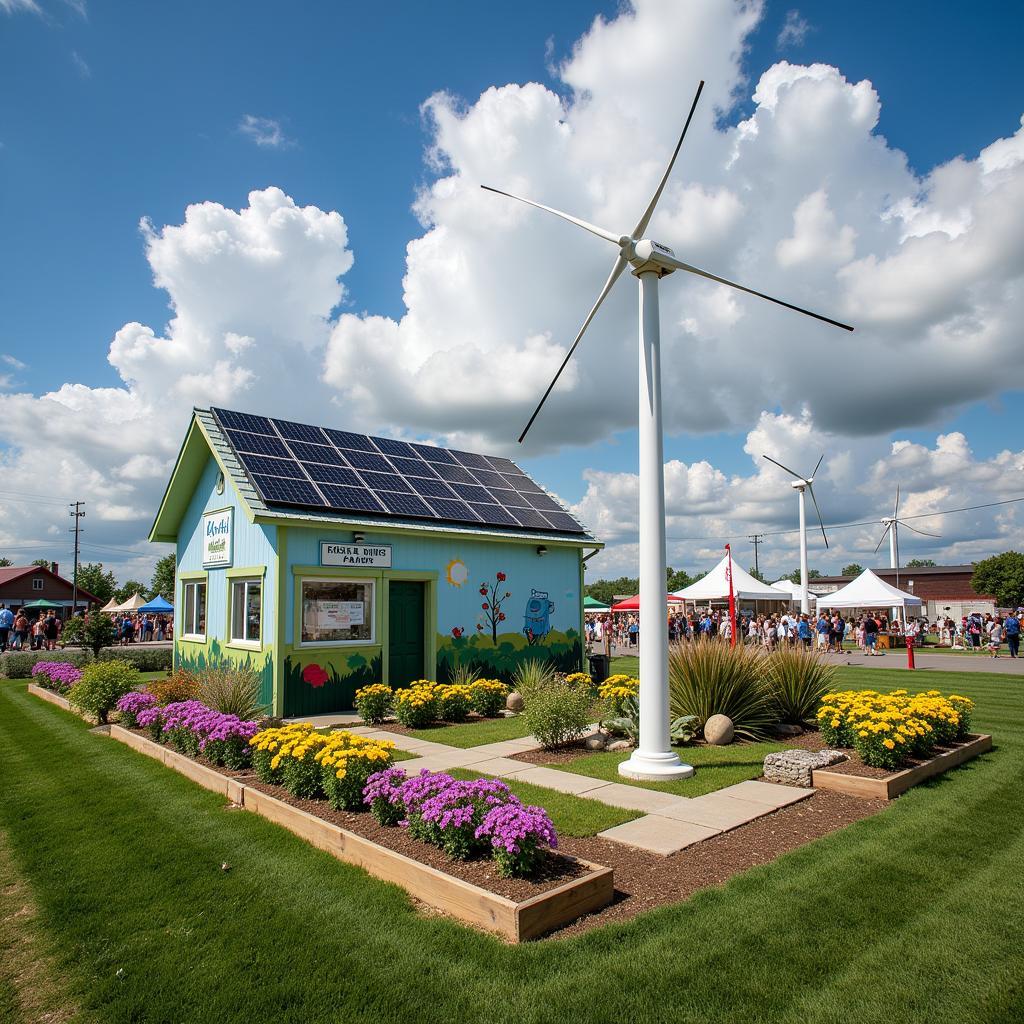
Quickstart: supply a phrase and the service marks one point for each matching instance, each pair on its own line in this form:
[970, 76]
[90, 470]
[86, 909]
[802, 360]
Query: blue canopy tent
[158, 606]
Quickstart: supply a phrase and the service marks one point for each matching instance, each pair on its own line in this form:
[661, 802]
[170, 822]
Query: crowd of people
[825, 631]
[21, 632]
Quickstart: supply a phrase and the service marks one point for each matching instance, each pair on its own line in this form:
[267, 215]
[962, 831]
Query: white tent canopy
[868, 591]
[792, 589]
[135, 602]
[715, 586]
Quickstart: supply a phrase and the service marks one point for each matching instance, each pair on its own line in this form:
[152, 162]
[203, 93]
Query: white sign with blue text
[373, 556]
[217, 534]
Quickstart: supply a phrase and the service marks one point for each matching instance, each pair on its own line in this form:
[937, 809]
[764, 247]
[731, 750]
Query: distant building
[23, 584]
[944, 589]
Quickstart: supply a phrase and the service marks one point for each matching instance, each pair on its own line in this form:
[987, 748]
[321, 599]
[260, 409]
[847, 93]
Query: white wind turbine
[892, 524]
[653, 757]
[800, 485]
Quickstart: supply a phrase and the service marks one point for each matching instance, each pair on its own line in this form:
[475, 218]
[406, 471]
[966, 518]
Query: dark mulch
[562, 754]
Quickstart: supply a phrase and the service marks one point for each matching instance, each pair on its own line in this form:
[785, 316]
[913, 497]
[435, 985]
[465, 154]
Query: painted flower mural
[494, 594]
[315, 675]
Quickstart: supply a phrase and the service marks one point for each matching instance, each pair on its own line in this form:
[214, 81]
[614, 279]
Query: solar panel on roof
[412, 467]
[508, 497]
[299, 431]
[405, 504]
[272, 467]
[391, 447]
[384, 481]
[243, 421]
[343, 439]
[366, 460]
[333, 475]
[454, 474]
[502, 465]
[351, 499]
[432, 488]
[489, 478]
[472, 492]
[544, 502]
[449, 508]
[563, 521]
[530, 518]
[432, 454]
[261, 444]
[326, 454]
[471, 460]
[279, 491]
[493, 514]
[524, 483]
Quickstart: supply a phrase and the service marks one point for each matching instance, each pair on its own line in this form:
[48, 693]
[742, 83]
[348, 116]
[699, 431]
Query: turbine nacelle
[648, 255]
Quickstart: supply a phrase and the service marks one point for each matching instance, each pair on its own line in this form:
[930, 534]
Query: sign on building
[375, 556]
[217, 536]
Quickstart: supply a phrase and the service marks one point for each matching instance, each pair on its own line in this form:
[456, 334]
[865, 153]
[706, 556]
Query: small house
[325, 560]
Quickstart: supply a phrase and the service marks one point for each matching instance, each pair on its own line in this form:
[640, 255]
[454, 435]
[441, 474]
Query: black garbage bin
[600, 665]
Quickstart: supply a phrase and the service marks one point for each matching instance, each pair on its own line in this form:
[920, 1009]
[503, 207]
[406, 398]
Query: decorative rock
[718, 730]
[596, 741]
[784, 729]
[794, 767]
[514, 701]
[620, 745]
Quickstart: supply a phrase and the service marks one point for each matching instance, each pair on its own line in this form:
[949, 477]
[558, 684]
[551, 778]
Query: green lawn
[571, 815]
[474, 734]
[911, 915]
[717, 767]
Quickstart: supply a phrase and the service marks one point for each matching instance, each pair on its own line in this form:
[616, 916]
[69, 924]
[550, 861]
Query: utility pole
[757, 539]
[77, 513]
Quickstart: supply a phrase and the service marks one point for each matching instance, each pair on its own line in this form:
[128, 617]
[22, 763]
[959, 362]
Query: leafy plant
[102, 685]
[374, 702]
[95, 631]
[464, 675]
[231, 690]
[708, 678]
[180, 685]
[627, 722]
[796, 679]
[487, 696]
[145, 659]
[532, 674]
[19, 664]
[683, 729]
[557, 712]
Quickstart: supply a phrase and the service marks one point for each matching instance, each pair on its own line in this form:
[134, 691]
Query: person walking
[20, 630]
[995, 637]
[1011, 630]
[6, 625]
[870, 636]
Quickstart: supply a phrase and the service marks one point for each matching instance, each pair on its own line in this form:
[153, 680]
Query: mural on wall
[537, 618]
[455, 572]
[327, 683]
[198, 657]
[493, 595]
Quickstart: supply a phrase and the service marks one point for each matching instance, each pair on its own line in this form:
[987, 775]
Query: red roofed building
[22, 584]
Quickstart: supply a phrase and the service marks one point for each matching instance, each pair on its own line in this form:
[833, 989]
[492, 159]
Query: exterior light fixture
[358, 538]
[541, 550]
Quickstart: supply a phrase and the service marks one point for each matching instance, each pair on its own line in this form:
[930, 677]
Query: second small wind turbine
[892, 524]
[653, 757]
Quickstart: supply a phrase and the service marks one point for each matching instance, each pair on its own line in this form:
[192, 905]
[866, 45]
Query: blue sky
[118, 111]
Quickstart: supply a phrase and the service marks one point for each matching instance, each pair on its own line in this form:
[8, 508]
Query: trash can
[600, 665]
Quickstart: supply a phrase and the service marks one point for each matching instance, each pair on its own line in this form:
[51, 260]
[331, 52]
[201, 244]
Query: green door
[405, 632]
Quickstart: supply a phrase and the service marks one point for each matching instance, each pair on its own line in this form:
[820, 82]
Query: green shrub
[556, 711]
[374, 703]
[487, 696]
[463, 675]
[178, 686]
[95, 631]
[232, 690]
[18, 664]
[796, 679]
[709, 678]
[145, 659]
[102, 685]
[453, 703]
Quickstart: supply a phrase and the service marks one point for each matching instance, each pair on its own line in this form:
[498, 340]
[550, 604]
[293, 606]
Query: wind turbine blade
[781, 466]
[884, 533]
[821, 523]
[924, 533]
[896, 507]
[586, 225]
[815, 472]
[641, 224]
[679, 265]
[617, 268]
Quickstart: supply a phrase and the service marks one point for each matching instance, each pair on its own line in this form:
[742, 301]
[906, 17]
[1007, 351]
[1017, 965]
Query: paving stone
[768, 793]
[717, 811]
[417, 764]
[502, 748]
[563, 782]
[657, 834]
[423, 748]
[500, 766]
[634, 798]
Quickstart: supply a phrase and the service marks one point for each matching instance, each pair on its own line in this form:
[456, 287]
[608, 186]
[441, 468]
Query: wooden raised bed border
[49, 695]
[518, 922]
[893, 785]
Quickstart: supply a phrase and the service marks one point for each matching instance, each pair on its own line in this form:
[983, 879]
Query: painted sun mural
[456, 573]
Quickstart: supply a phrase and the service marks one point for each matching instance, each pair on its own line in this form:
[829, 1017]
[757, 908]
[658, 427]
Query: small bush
[19, 664]
[416, 705]
[346, 762]
[374, 703]
[180, 685]
[487, 696]
[796, 680]
[453, 702]
[132, 704]
[145, 659]
[58, 676]
[557, 712]
[94, 631]
[102, 685]
[231, 690]
[708, 678]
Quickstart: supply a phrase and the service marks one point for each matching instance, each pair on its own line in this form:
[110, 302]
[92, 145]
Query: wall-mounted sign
[217, 534]
[375, 556]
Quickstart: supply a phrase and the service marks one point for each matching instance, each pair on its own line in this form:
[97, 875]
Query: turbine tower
[650, 261]
[800, 485]
[892, 524]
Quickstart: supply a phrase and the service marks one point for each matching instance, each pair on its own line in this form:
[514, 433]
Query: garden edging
[53, 698]
[516, 921]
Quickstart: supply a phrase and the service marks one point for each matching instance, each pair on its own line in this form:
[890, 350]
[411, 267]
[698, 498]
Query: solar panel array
[335, 470]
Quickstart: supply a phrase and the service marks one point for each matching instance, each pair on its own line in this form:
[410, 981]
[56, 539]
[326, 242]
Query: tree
[163, 581]
[129, 589]
[1002, 576]
[853, 569]
[91, 577]
[812, 574]
[95, 631]
[4, 562]
[919, 563]
[493, 594]
[676, 579]
[757, 574]
[44, 562]
[605, 590]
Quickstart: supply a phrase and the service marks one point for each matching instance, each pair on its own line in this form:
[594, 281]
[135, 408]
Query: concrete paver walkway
[670, 823]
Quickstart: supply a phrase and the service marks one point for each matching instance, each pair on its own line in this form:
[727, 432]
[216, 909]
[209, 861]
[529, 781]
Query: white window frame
[366, 581]
[38, 583]
[245, 582]
[185, 624]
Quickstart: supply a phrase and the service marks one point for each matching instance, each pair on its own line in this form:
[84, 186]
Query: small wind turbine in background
[653, 757]
[892, 524]
[800, 485]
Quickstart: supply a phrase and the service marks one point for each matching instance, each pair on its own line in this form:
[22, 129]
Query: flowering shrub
[887, 729]
[455, 813]
[583, 679]
[614, 690]
[383, 793]
[374, 703]
[270, 745]
[179, 685]
[131, 704]
[416, 705]
[58, 676]
[516, 835]
[101, 686]
[346, 763]
[192, 728]
[963, 706]
[453, 701]
[487, 696]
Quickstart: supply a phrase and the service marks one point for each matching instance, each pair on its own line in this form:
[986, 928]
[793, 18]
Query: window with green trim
[337, 611]
[246, 611]
[193, 625]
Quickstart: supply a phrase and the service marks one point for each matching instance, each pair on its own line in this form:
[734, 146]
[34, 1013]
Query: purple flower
[513, 828]
[385, 785]
[60, 674]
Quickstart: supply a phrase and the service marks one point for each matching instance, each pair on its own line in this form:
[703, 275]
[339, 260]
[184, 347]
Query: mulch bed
[562, 754]
[391, 725]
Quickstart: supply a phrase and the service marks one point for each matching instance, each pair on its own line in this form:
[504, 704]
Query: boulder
[718, 730]
[514, 701]
[794, 767]
[620, 745]
[785, 729]
[596, 741]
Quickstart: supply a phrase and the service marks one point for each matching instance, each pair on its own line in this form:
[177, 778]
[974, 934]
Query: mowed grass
[911, 915]
[571, 815]
[473, 734]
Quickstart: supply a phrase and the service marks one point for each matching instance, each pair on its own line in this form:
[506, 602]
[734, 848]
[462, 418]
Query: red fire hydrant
[910, 650]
